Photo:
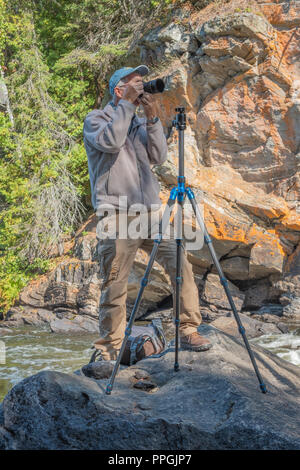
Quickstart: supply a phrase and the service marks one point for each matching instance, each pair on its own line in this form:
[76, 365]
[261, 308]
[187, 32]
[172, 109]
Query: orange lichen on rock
[291, 221]
[223, 227]
[277, 14]
[266, 238]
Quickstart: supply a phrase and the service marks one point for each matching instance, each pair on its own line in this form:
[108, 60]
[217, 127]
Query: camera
[154, 86]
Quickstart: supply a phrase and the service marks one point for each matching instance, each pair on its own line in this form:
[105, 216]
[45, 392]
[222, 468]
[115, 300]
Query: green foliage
[77, 167]
[35, 147]
[7, 145]
[156, 3]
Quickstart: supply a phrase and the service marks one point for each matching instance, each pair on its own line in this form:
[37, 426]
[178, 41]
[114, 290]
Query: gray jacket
[120, 162]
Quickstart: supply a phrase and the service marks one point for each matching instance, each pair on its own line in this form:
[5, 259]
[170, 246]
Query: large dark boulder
[213, 402]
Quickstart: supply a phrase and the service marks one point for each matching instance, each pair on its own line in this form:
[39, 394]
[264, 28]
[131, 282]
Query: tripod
[179, 193]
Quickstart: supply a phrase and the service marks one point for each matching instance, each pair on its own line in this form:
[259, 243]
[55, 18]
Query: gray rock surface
[289, 288]
[269, 313]
[5, 331]
[1, 415]
[214, 293]
[236, 267]
[99, 369]
[145, 385]
[213, 402]
[27, 315]
[292, 311]
[257, 295]
[78, 324]
[239, 25]
[254, 328]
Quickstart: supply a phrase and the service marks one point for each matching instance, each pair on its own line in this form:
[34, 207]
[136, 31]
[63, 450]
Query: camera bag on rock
[144, 341]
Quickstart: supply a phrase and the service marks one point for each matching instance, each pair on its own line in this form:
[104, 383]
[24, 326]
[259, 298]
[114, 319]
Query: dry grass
[224, 8]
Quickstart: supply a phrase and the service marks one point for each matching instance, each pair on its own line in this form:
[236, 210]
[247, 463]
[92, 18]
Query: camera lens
[154, 86]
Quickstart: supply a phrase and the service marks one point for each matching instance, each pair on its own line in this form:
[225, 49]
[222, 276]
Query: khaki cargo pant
[116, 257]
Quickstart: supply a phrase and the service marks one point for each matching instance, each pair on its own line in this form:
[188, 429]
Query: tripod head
[180, 119]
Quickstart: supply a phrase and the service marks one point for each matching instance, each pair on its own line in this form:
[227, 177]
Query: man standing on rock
[121, 148]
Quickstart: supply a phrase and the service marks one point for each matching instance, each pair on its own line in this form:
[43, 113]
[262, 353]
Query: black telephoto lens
[154, 86]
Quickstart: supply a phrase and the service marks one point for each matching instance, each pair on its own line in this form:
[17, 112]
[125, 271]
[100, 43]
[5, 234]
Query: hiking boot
[195, 342]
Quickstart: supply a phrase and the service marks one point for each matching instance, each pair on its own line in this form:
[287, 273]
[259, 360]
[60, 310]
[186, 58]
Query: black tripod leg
[178, 276]
[162, 228]
[177, 299]
[224, 282]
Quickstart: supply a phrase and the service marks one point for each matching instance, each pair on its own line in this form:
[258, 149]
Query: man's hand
[149, 104]
[133, 89]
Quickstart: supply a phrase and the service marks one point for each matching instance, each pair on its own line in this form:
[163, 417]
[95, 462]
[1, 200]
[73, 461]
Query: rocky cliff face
[238, 75]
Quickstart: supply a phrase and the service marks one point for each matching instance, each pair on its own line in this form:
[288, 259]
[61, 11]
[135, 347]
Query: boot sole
[197, 348]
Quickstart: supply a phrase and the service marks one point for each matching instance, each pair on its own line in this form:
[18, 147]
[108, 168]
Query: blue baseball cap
[121, 73]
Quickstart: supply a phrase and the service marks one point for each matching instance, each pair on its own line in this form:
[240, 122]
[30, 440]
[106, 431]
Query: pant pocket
[109, 266]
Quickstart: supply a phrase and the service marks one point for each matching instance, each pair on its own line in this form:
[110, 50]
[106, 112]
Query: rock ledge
[213, 402]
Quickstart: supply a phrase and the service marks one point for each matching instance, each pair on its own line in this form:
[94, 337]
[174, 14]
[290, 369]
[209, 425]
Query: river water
[30, 350]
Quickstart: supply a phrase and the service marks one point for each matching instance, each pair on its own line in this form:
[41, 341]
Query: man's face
[120, 89]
